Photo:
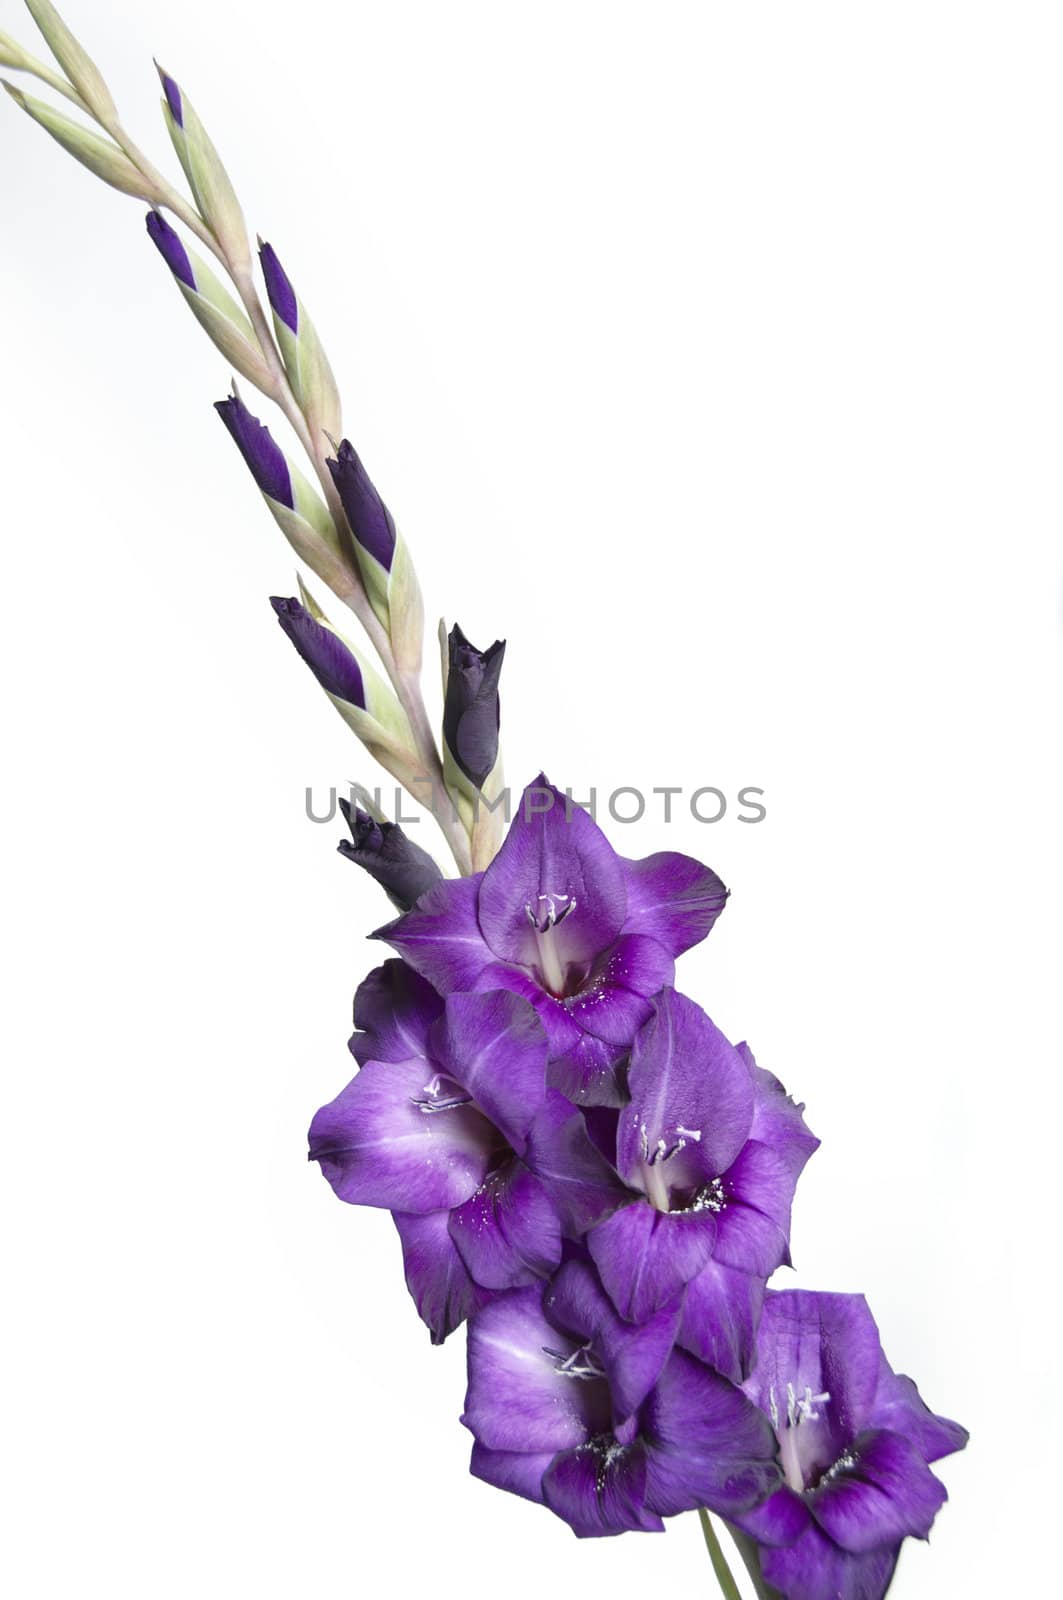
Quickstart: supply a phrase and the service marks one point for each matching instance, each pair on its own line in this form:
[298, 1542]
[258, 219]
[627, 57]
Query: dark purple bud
[324, 652]
[371, 521]
[173, 96]
[255, 443]
[403, 870]
[168, 243]
[471, 713]
[279, 287]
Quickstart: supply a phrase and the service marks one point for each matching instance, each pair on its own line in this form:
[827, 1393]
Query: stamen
[433, 1096]
[581, 1363]
[547, 913]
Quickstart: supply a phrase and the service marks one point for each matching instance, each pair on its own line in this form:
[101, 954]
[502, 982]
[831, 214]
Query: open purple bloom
[279, 288]
[710, 1148]
[855, 1440]
[389, 856]
[560, 918]
[435, 1126]
[324, 652]
[604, 1422]
[265, 458]
[370, 520]
[471, 712]
[168, 243]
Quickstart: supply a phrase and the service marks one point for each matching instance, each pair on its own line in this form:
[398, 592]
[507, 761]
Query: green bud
[211, 186]
[78, 66]
[100, 155]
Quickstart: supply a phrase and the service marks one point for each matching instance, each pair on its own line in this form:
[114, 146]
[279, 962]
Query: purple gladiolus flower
[471, 713]
[324, 652]
[264, 457]
[560, 918]
[855, 1440]
[401, 867]
[279, 288]
[434, 1128]
[168, 243]
[603, 1421]
[711, 1148]
[370, 520]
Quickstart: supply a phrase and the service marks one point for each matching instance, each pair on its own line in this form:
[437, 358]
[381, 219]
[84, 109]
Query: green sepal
[78, 65]
[224, 323]
[310, 374]
[100, 155]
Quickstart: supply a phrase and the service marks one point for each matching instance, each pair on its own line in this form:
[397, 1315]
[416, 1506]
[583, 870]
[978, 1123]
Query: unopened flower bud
[471, 712]
[223, 321]
[211, 186]
[297, 508]
[383, 558]
[79, 67]
[304, 358]
[360, 695]
[401, 867]
[100, 155]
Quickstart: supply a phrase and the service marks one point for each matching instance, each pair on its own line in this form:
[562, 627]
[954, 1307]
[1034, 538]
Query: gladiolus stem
[728, 1587]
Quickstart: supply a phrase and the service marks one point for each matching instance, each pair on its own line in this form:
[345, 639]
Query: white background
[711, 354]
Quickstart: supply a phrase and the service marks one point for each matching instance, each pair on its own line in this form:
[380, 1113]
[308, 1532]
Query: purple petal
[471, 714]
[265, 459]
[378, 1146]
[518, 1398]
[441, 936]
[644, 1257]
[880, 1492]
[512, 1470]
[778, 1520]
[394, 1009]
[614, 1004]
[815, 1569]
[753, 1226]
[900, 1407]
[633, 1355]
[691, 1099]
[561, 1031]
[777, 1120]
[580, 1181]
[279, 288]
[173, 96]
[324, 652]
[495, 1046]
[436, 1276]
[554, 856]
[508, 1233]
[707, 1445]
[721, 1310]
[585, 1072]
[168, 243]
[673, 898]
[599, 1489]
[369, 518]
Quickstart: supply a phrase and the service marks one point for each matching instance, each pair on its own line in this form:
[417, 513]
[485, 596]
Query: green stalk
[728, 1587]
